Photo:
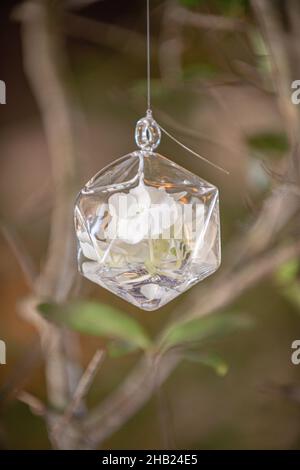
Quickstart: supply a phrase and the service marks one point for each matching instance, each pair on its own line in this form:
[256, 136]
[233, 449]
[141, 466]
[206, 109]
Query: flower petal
[152, 291]
[121, 205]
[142, 196]
[155, 292]
[88, 251]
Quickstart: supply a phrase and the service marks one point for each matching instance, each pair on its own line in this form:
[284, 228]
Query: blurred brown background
[215, 88]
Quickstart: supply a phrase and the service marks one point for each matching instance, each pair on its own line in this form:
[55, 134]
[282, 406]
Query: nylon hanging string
[188, 149]
[148, 58]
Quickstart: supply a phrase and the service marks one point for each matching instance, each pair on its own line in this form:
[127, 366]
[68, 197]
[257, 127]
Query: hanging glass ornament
[147, 229]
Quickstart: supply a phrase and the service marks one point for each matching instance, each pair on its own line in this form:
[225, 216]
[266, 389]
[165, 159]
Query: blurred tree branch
[74, 4]
[105, 34]
[80, 392]
[44, 66]
[22, 371]
[17, 247]
[187, 17]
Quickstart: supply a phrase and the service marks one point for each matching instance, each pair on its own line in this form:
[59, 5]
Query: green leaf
[205, 328]
[119, 348]
[191, 3]
[97, 319]
[268, 142]
[261, 52]
[207, 71]
[292, 293]
[158, 89]
[287, 272]
[228, 7]
[233, 7]
[210, 360]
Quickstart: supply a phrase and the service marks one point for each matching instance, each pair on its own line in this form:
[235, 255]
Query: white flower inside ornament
[147, 229]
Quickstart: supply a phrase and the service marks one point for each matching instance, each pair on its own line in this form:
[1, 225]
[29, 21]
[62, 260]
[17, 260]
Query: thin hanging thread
[149, 110]
[148, 58]
[192, 151]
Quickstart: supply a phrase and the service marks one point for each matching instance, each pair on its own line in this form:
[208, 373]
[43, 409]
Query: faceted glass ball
[147, 229]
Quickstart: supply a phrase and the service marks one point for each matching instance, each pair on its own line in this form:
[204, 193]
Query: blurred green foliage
[268, 142]
[287, 273]
[203, 328]
[225, 6]
[211, 360]
[204, 71]
[126, 335]
[191, 3]
[158, 89]
[263, 60]
[97, 319]
[119, 348]
[292, 293]
[287, 277]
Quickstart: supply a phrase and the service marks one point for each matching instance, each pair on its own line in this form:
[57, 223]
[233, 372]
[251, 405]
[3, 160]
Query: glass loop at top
[147, 133]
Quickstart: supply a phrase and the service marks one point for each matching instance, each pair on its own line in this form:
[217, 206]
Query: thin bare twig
[210, 22]
[36, 406]
[21, 372]
[104, 34]
[19, 251]
[81, 390]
